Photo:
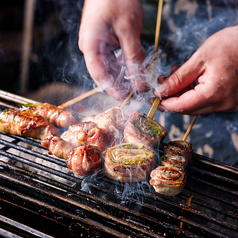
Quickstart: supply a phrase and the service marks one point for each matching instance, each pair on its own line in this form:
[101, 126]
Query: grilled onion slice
[129, 162]
[182, 148]
[173, 161]
[169, 181]
[141, 129]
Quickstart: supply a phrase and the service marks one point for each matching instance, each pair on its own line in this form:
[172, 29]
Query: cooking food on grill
[129, 162]
[141, 129]
[86, 133]
[173, 161]
[182, 148]
[83, 160]
[112, 121]
[62, 118]
[58, 146]
[22, 123]
[168, 181]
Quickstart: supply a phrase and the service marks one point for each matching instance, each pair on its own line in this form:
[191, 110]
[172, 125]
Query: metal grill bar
[41, 187]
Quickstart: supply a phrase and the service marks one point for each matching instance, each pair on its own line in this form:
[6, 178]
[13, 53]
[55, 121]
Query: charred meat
[141, 129]
[129, 162]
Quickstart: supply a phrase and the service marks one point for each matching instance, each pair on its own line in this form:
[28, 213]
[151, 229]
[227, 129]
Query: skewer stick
[189, 128]
[79, 98]
[157, 33]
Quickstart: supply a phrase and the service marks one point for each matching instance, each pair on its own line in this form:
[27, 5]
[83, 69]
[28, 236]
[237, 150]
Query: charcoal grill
[41, 197]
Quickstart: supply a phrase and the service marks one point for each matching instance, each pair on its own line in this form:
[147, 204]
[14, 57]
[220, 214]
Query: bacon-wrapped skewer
[22, 123]
[86, 133]
[57, 116]
[182, 148]
[173, 161]
[129, 162]
[141, 129]
[83, 160]
[167, 180]
[112, 121]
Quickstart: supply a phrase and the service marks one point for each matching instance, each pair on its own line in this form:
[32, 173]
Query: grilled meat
[141, 129]
[59, 117]
[111, 121]
[22, 123]
[169, 181]
[182, 148]
[173, 161]
[84, 160]
[86, 133]
[129, 162]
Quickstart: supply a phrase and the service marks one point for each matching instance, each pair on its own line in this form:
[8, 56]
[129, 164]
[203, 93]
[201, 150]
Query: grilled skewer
[22, 123]
[168, 181]
[141, 129]
[129, 162]
[59, 117]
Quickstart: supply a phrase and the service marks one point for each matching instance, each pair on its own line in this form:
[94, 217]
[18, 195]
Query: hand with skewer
[214, 67]
[107, 26]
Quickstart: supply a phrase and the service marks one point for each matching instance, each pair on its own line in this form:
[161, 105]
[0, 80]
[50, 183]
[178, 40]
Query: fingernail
[161, 90]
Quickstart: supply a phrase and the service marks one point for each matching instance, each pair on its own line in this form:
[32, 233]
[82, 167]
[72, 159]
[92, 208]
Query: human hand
[214, 67]
[106, 26]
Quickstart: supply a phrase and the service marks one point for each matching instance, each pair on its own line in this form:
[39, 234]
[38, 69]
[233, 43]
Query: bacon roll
[168, 181]
[129, 162]
[112, 121]
[22, 123]
[59, 117]
[173, 161]
[83, 160]
[141, 129]
[182, 148]
[86, 133]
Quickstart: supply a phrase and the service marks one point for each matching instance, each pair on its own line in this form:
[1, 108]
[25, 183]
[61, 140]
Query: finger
[133, 54]
[190, 102]
[181, 78]
[100, 70]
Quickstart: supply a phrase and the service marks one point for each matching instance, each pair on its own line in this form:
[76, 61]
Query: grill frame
[57, 203]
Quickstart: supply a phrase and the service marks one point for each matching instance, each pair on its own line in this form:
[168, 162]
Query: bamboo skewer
[157, 33]
[79, 98]
[189, 128]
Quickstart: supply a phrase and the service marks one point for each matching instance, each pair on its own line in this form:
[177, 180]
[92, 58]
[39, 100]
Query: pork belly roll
[168, 181]
[112, 121]
[60, 117]
[129, 162]
[22, 123]
[173, 161]
[182, 148]
[141, 129]
[84, 160]
[86, 133]
[58, 146]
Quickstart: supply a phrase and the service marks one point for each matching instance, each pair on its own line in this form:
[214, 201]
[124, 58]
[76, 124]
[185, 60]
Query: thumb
[181, 78]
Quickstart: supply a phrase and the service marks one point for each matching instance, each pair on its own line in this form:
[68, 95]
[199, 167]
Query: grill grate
[41, 197]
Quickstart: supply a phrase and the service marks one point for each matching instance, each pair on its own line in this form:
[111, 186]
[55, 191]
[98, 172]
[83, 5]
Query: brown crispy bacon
[22, 123]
